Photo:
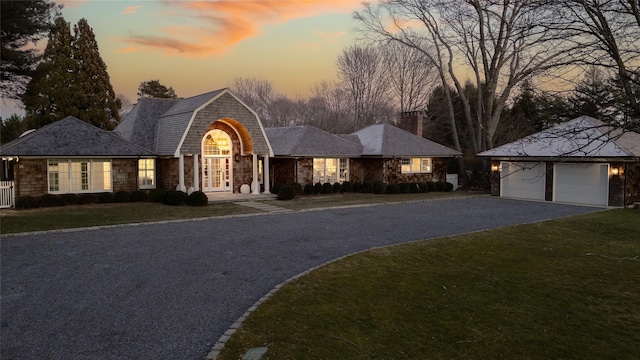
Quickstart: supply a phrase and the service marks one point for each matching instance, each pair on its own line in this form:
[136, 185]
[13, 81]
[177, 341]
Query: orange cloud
[216, 26]
[72, 3]
[131, 9]
[330, 37]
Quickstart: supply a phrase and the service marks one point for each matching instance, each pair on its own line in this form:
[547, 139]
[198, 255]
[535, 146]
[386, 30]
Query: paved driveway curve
[169, 291]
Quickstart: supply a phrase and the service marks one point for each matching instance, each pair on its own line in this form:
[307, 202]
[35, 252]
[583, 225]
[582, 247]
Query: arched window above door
[216, 142]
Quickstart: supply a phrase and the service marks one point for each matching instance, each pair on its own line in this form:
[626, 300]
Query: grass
[566, 288]
[66, 217]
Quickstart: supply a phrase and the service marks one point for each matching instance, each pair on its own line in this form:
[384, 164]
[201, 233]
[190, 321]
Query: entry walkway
[259, 205]
[215, 197]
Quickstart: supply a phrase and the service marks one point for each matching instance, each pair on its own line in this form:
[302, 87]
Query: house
[581, 161]
[211, 142]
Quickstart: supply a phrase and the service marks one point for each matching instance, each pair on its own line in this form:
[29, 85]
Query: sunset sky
[200, 46]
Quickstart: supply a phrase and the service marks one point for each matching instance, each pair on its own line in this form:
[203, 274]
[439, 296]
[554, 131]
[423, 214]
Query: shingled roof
[583, 137]
[386, 140]
[140, 126]
[71, 137]
[306, 140]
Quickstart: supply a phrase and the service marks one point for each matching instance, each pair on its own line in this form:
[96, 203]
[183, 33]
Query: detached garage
[582, 161]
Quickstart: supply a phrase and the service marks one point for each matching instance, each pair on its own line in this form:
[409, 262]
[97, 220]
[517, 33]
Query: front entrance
[216, 162]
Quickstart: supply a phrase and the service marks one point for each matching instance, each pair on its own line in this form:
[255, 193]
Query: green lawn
[66, 217]
[567, 288]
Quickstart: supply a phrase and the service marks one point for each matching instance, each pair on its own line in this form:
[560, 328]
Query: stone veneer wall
[124, 174]
[30, 177]
[632, 176]
[394, 173]
[283, 170]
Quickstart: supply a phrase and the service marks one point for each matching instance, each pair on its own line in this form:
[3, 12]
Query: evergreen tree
[154, 89]
[22, 22]
[49, 93]
[71, 81]
[594, 96]
[96, 101]
[11, 128]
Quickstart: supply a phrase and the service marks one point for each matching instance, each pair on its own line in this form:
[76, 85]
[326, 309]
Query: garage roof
[580, 137]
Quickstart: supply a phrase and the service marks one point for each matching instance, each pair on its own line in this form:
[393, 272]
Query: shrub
[158, 195]
[424, 187]
[393, 189]
[50, 200]
[357, 187]
[69, 199]
[414, 188]
[87, 199]
[347, 187]
[432, 186]
[404, 188]
[448, 187]
[378, 187]
[327, 188]
[121, 197]
[27, 202]
[197, 198]
[275, 188]
[138, 196]
[308, 189]
[317, 188]
[440, 186]
[337, 187]
[287, 192]
[297, 188]
[176, 198]
[104, 198]
[367, 187]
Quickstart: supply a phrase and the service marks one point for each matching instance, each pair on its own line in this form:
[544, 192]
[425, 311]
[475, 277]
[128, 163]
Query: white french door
[216, 174]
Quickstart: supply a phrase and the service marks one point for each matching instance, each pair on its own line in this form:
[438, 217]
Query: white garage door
[581, 183]
[523, 180]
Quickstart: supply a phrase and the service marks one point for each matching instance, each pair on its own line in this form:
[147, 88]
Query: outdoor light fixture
[237, 158]
[495, 167]
[615, 171]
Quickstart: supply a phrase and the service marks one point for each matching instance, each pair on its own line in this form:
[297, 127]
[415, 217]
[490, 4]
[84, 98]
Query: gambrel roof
[306, 140]
[71, 137]
[389, 141]
[583, 137]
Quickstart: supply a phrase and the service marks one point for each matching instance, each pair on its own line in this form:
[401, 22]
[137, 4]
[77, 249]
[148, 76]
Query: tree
[72, 80]
[154, 89]
[97, 102]
[594, 95]
[257, 94]
[610, 38]
[501, 43]
[11, 128]
[22, 23]
[360, 71]
[410, 75]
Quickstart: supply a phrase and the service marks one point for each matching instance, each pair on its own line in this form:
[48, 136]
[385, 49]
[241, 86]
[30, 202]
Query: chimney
[411, 121]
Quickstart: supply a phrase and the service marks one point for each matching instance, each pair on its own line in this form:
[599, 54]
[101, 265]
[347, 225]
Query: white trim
[234, 130]
[265, 175]
[196, 173]
[181, 186]
[264, 134]
[255, 182]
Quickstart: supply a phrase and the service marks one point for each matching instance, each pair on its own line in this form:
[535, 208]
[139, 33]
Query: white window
[416, 165]
[78, 176]
[147, 173]
[330, 170]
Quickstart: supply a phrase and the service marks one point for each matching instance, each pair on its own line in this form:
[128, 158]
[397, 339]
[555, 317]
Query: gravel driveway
[169, 291]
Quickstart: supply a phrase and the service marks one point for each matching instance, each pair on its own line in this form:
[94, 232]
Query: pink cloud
[131, 9]
[220, 25]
